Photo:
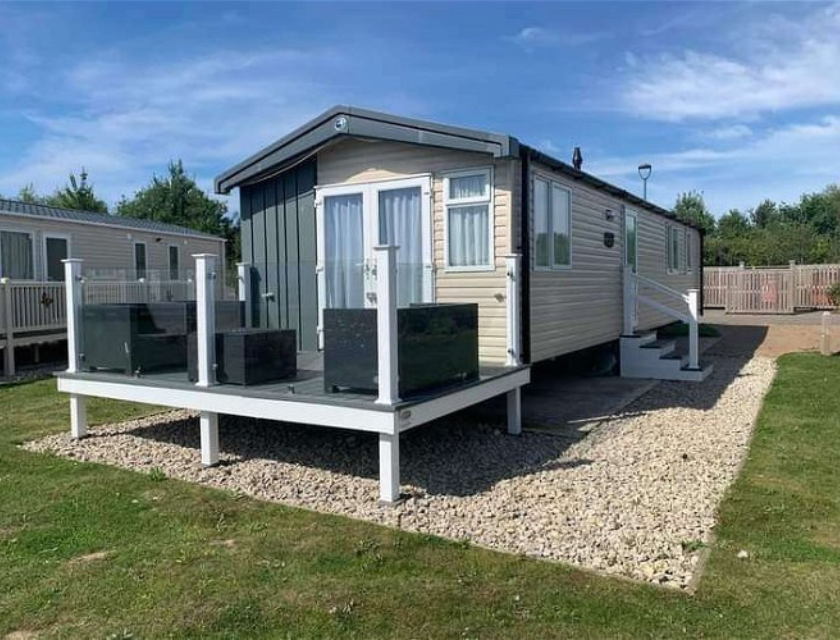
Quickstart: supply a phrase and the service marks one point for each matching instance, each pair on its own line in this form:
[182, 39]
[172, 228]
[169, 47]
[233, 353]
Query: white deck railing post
[8, 329]
[386, 323]
[513, 265]
[629, 301]
[205, 294]
[73, 300]
[694, 328]
[244, 280]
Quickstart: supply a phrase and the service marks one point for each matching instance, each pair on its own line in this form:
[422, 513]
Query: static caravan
[35, 238]
[469, 210]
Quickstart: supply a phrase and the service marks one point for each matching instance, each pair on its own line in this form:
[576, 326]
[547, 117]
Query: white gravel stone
[636, 497]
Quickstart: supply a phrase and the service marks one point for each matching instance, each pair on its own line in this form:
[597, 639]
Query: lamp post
[644, 174]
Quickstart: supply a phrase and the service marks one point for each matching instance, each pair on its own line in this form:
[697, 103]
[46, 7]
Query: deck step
[643, 356]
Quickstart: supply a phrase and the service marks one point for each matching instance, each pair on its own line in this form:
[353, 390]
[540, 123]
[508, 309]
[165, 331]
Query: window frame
[489, 200]
[55, 236]
[551, 185]
[631, 213]
[31, 235]
[689, 265]
[145, 275]
[169, 249]
[672, 234]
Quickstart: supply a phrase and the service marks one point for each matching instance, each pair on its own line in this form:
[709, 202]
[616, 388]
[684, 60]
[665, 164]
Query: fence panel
[37, 306]
[770, 289]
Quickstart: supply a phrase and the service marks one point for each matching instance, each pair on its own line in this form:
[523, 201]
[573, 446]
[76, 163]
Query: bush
[834, 294]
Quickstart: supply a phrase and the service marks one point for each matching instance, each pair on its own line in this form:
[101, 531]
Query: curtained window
[467, 199]
[17, 260]
[345, 251]
[400, 223]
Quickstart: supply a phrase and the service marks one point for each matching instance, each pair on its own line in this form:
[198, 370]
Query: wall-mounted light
[609, 214]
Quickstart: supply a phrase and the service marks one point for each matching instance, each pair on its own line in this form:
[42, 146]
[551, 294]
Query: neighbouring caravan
[594, 262]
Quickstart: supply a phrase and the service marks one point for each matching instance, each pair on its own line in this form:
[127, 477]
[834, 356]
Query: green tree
[691, 207]
[177, 199]
[77, 194]
[733, 224]
[764, 214]
[28, 194]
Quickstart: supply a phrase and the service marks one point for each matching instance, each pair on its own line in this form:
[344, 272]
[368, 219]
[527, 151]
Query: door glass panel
[630, 241]
[401, 223]
[345, 251]
[56, 252]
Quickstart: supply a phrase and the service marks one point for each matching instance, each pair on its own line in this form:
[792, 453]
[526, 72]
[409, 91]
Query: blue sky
[738, 100]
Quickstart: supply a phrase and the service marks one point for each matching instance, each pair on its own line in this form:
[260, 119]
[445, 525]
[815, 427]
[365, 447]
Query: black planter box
[437, 346]
[145, 337]
[250, 356]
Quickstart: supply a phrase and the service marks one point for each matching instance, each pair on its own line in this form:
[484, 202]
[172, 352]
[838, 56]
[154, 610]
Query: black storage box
[437, 346]
[250, 356]
[145, 337]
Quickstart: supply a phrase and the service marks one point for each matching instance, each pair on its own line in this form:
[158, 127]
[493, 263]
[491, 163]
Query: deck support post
[389, 467]
[513, 264]
[386, 324]
[73, 284]
[209, 423]
[244, 279]
[8, 329]
[629, 302]
[78, 416]
[693, 328]
[825, 334]
[514, 411]
[205, 295]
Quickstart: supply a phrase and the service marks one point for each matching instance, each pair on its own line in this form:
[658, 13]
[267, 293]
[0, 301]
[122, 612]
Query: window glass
[688, 251]
[174, 262]
[468, 220]
[16, 258]
[630, 241]
[560, 225]
[673, 249]
[541, 246]
[140, 260]
[56, 249]
[475, 186]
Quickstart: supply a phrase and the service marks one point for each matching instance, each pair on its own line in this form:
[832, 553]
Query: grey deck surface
[307, 386]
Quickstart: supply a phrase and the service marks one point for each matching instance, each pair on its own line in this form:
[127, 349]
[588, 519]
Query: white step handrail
[691, 299]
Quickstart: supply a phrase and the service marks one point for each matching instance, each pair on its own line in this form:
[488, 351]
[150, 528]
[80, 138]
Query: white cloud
[731, 132]
[779, 163]
[530, 38]
[783, 65]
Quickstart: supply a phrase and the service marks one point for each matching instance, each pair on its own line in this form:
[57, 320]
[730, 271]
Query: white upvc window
[140, 260]
[17, 255]
[552, 225]
[468, 216]
[673, 249]
[631, 240]
[688, 265]
[174, 262]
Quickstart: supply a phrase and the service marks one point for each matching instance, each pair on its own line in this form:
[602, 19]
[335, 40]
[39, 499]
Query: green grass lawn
[184, 560]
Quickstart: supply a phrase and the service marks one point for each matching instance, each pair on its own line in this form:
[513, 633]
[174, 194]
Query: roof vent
[340, 123]
[577, 159]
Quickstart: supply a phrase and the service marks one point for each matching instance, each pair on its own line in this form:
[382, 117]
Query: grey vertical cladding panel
[258, 217]
[292, 255]
[271, 255]
[308, 335]
[278, 239]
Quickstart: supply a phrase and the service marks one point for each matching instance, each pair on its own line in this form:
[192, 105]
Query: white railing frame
[691, 299]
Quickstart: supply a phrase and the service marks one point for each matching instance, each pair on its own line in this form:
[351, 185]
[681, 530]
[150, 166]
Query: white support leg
[389, 467]
[514, 412]
[205, 274]
[694, 328]
[209, 438]
[78, 416]
[8, 329]
[386, 324]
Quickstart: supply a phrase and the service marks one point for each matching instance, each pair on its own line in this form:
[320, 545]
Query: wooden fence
[769, 290]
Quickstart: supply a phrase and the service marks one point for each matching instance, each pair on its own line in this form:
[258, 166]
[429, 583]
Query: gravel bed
[636, 497]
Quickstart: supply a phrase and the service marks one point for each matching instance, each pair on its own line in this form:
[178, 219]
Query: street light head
[644, 171]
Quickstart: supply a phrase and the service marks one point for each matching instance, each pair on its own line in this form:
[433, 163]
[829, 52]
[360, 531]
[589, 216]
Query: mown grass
[183, 560]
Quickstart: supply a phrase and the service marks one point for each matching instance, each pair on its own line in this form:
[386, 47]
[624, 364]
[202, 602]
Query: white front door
[352, 219]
